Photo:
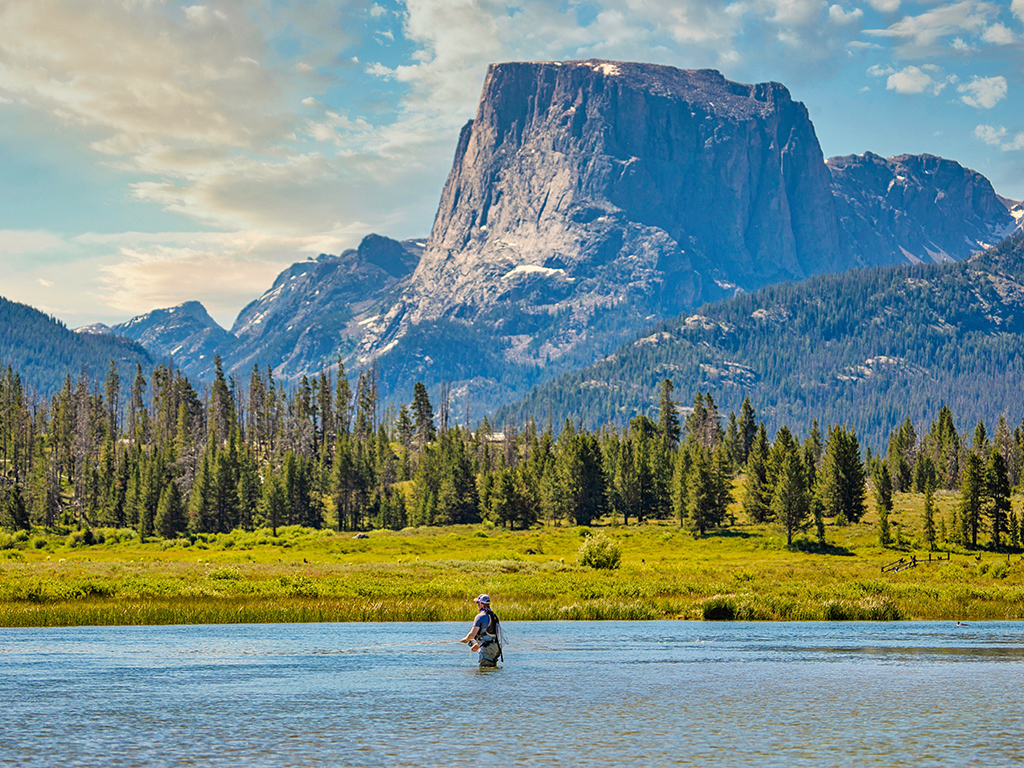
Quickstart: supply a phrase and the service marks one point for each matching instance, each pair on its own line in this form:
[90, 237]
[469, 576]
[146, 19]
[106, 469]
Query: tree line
[159, 456]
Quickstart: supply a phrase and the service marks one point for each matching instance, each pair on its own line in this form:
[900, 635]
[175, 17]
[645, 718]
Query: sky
[154, 152]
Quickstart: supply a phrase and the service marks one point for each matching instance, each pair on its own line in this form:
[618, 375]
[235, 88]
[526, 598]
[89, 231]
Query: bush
[599, 552]
[718, 609]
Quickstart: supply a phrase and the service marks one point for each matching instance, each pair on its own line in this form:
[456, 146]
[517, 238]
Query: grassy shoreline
[744, 573]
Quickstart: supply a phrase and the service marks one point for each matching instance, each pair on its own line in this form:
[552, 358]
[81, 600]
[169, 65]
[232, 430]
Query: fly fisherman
[484, 634]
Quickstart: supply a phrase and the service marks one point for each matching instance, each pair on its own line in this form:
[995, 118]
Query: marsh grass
[428, 574]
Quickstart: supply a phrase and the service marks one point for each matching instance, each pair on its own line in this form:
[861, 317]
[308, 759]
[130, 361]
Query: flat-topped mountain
[586, 201]
[594, 187]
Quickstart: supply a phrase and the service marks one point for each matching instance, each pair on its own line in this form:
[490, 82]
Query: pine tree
[972, 491]
[748, 427]
[423, 415]
[757, 494]
[668, 418]
[841, 481]
[997, 494]
[171, 520]
[701, 490]
[790, 500]
[884, 533]
[271, 507]
[15, 513]
[929, 519]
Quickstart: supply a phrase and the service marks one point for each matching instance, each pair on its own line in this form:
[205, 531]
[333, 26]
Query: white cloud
[999, 34]
[144, 271]
[996, 137]
[14, 242]
[983, 92]
[885, 6]
[923, 34]
[990, 134]
[841, 16]
[1017, 7]
[910, 80]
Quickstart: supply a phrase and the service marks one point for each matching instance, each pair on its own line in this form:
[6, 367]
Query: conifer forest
[156, 455]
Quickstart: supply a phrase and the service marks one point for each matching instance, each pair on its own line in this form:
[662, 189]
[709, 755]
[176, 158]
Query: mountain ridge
[590, 199]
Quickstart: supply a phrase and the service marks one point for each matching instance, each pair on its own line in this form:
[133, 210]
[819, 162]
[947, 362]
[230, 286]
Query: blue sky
[153, 151]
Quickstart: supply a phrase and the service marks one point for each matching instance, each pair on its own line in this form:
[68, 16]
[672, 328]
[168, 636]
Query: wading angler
[484, 634]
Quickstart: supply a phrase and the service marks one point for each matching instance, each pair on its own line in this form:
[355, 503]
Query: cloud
[999, 34]
[990, 134]
[996, 138]
[841, 16]
[983, 92]
[1017, 8]
[910, 80]
[14, 242]
[923, 35]
[181, 94]
[885, 6]
[145, 271]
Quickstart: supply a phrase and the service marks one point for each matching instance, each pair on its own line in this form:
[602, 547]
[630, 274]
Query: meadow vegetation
[746, 572]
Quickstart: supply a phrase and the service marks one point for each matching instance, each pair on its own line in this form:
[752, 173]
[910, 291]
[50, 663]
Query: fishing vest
[490, 633]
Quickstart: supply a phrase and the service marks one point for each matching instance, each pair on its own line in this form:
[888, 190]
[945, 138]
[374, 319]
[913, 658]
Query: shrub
[226, 573]
[718, 609]
[599, 552]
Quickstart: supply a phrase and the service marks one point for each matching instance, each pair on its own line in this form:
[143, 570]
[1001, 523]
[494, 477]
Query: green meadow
[110, 576]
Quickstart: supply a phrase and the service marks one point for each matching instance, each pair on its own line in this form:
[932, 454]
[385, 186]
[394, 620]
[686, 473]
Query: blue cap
[485, 599]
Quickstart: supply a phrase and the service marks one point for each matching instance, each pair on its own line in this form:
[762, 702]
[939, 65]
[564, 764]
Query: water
[574, 694]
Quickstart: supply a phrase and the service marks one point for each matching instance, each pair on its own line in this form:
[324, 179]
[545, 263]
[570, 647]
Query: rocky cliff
[588, 200]
[185, 334]
[917, 208]
[593, 187]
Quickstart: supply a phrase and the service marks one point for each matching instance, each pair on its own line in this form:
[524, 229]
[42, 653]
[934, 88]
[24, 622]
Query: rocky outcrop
[594, 187]
[588, 200]
[185, 334]
[317, 310]
[917, 208]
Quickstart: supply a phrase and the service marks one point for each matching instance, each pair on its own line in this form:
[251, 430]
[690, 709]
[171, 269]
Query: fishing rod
[392, 645]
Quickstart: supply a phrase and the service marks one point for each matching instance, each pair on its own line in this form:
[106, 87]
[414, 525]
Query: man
[484, 634]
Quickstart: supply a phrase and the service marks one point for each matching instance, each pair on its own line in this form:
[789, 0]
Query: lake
[569, 693]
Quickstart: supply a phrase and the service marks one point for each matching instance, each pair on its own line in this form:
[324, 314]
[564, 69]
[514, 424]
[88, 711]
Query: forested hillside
[153, 458]
[44, 351]
[866, 348]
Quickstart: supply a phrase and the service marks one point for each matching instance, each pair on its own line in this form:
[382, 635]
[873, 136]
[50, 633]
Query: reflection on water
[575, 693]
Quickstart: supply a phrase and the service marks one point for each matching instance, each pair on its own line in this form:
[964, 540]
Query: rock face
[185, 333]
[317, 310]
[588, 200]
[596, 186]
[917, 208]
[314, 312]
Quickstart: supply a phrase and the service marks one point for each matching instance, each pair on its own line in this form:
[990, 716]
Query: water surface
[569, 693]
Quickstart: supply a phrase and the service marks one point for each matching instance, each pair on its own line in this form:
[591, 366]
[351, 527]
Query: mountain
[186, 334]
[866, 348]
[917, 208]
[43, 350]
[314, 312]
[588, 200]
[317, 310]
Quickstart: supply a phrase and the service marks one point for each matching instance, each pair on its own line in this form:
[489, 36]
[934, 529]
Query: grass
[430, 574]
